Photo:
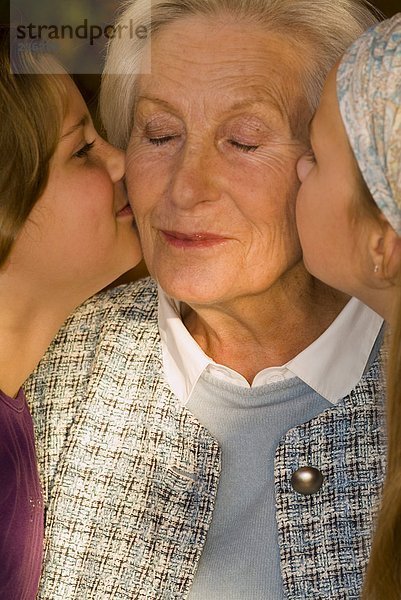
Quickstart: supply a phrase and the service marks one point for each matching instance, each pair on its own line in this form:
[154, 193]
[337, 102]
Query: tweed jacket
[130, 477]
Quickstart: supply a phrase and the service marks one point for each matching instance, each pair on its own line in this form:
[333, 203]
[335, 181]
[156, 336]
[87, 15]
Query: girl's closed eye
[84, 151]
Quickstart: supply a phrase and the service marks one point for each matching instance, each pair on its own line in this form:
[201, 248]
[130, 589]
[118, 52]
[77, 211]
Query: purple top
[21, 505]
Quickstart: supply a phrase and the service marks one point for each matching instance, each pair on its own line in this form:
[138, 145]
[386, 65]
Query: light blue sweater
[241, 558]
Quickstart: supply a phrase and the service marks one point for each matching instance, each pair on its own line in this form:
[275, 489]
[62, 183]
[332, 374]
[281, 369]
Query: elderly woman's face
[211, 161]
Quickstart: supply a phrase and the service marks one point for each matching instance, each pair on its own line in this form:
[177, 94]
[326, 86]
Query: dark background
[389, 7]
[89, 85]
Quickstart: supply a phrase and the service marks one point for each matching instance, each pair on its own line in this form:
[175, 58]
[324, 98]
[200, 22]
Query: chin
[193, 290]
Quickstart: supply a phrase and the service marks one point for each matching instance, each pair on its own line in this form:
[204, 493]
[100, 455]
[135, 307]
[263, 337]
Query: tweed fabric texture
[369, 94]
[130, 476]
[325, 538]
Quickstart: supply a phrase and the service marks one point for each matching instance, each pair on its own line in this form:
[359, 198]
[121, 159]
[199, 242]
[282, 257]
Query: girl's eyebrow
[82, 122]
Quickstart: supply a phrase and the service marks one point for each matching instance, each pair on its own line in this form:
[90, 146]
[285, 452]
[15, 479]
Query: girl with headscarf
[349, 220]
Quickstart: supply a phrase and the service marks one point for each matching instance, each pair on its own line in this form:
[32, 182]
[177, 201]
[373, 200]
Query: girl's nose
[115, 162]
[304, 166]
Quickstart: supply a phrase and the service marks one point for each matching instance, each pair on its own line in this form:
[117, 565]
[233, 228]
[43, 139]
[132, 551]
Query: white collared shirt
[332, 365]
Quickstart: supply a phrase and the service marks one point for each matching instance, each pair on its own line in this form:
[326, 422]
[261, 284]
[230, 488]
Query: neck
[386, 302]
[249, 334]
[28, 324]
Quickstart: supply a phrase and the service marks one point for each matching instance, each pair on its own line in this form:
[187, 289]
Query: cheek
[144, 182]
[93, 191]
[317, 228]
[283, 203]
[309, 222]
[87, 211]
[101, 186]
[307, 204]
[270, 185]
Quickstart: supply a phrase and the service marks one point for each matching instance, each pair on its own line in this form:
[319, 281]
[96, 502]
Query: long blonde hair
[383, 576]
[32, 109]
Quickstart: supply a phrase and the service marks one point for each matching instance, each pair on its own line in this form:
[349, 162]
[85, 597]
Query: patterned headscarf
[369, 95]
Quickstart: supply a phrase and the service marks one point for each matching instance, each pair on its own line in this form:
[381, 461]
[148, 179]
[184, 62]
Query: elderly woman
[221, 436]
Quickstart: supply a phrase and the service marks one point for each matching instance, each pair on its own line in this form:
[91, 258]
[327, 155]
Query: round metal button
[307, 480]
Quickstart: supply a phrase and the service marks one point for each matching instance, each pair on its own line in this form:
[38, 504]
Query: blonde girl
[66, 230]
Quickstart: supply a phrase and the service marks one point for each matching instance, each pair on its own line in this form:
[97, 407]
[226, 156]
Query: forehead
[228, 61]
[74, 103]
[329, 137]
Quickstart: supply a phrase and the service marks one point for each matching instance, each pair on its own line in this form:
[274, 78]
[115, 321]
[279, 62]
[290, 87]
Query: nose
[114, 160]
[304, 166]
[195, 179]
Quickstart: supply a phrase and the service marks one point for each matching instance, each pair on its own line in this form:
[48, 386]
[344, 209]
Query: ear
[385, 251]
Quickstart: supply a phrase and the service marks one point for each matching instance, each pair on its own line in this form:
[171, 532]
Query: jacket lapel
[133, 491]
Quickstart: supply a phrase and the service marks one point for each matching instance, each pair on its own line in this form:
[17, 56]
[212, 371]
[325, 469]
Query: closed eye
[159, 141]
[84, 151]
[243, 147]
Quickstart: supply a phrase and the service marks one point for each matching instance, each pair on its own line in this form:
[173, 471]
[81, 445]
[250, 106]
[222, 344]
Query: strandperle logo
[84, 31]
[76, 33]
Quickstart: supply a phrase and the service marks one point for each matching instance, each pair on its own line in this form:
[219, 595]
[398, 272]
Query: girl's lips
[199, 239]
[125, 211]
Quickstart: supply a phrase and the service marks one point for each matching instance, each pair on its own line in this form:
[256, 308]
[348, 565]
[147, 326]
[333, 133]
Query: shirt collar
[332, 365]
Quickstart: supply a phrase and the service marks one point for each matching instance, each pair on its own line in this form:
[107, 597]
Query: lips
[121, 203]
[198, 239]
[125, 211]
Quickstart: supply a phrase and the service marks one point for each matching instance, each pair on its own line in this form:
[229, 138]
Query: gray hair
[327, 27]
